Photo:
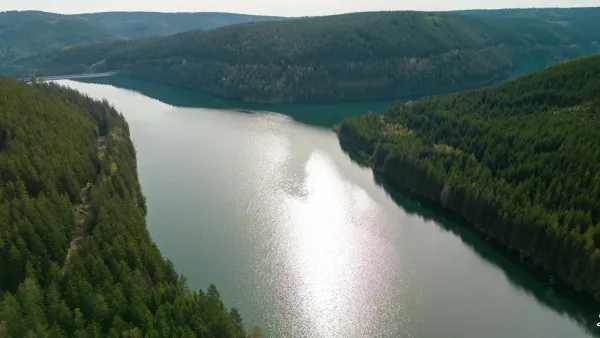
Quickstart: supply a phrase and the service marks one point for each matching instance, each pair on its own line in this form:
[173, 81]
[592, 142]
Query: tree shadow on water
[323, 115]
[521, 274]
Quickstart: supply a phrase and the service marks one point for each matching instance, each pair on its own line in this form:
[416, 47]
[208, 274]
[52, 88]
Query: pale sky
[278, 7]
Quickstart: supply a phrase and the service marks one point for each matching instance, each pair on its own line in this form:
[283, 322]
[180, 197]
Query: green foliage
[55, 143]
[351, 56]
[520, 161]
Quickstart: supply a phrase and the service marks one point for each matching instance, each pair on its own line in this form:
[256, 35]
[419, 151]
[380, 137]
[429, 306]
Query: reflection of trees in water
[320, 115]
[533, 280]
[521, 275]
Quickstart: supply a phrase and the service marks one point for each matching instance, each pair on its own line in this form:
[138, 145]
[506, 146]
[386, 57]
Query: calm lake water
[262, 201]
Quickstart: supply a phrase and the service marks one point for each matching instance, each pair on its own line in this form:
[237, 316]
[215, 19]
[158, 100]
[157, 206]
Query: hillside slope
[76, 258]
[520, 161]
[132, 25]
[582, 20]
[29, 32]
[23, 33]
[341, 57]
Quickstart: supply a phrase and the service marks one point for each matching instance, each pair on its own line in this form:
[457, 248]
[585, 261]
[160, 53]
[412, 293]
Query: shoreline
[527, 262]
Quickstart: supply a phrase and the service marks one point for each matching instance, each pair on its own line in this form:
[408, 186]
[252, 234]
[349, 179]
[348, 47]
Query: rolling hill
[28, 32]
[582, 20]
[130, 25]
[23, 33]
[342, 57]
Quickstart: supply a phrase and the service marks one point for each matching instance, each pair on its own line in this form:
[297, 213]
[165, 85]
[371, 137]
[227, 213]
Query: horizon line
[302, 16]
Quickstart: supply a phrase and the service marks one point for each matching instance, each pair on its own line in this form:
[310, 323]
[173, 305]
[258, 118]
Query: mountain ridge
[24, 33]
[361, 56]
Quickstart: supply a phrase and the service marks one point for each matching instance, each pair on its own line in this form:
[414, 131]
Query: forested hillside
[29, 32]
[520, 161]
[76, 259]
[582, 20]
[132, 25]
[23, 33]
[342, 57]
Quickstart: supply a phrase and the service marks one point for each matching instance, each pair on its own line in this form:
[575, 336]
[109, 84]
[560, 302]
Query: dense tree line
[61, 153]
[351, 56]
[520, 161]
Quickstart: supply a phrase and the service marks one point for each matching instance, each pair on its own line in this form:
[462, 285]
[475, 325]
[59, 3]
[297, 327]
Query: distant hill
[342, 57]
[132, 25]
[582, 20]
[28, 32]
[520, 161]
[23, 33]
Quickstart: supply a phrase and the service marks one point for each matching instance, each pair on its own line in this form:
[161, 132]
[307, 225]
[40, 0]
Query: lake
[262, 201]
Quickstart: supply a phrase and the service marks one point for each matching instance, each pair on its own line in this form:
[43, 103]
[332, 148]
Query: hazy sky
[277, 7]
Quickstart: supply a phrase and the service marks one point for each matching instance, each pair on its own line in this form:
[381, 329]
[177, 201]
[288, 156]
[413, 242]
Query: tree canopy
[520, 161]
[76, 258]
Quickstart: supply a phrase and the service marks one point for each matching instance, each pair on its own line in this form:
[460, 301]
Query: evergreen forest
[76, 258]
[520, 161]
